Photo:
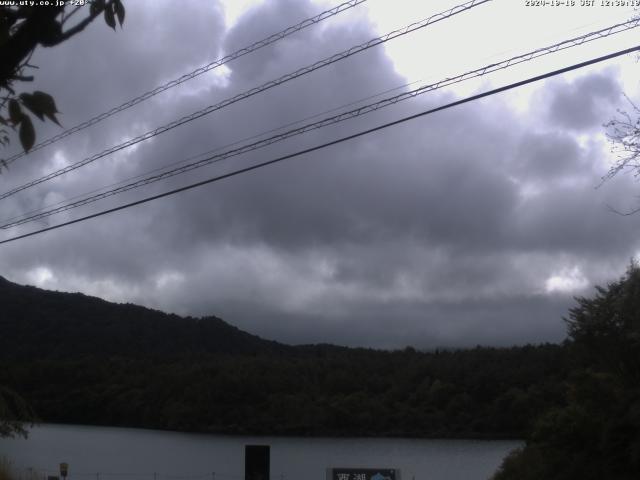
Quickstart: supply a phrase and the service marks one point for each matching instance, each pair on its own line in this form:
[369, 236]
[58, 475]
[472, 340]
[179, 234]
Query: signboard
[364, 474]
[64, 469]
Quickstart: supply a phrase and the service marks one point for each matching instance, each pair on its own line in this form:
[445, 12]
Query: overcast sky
[475, 225]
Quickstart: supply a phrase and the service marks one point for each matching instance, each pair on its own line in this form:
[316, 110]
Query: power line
[570, 43]
[273, 83]
[29, 216]
[331, 143]
[208, 152]
[188, 76]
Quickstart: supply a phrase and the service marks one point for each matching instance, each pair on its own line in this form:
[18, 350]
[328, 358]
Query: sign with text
[364, 474]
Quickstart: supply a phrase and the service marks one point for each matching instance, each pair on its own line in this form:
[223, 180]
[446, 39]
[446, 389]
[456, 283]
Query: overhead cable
[193, 74]
[207, 153]
[328, 144]
[570, 43]
[273, 83]
[210, 151]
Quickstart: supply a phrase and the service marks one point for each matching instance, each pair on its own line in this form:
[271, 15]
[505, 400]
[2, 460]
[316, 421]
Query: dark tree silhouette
[79, 359]
[596, 434]
[14, 413]
[22, 30]
[623, 132]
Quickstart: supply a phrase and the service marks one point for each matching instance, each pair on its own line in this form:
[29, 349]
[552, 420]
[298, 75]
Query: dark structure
[256, 462]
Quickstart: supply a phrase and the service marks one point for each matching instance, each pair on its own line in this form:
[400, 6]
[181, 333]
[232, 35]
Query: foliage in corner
[623, 133]
[596, 434]
[22, 29]
[14, 414]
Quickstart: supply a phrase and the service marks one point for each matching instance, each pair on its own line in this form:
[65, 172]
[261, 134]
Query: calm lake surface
[100, 453]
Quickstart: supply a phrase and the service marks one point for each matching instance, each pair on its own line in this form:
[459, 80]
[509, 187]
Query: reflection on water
[102, 453]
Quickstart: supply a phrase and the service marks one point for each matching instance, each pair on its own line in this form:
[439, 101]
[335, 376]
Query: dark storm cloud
[548, 156]
[443, 231]
[416, 181]
[574, 219]
[261, 22]
[507, 322]
[154, 46]
[584, 103]
[99, 69]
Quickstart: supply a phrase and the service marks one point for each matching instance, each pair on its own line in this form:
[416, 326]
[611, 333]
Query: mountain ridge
[53, 324]
[83, 360]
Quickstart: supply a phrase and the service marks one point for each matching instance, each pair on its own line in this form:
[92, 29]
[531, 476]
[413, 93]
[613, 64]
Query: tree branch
[80, 26]
[31, 32]
[40, 27]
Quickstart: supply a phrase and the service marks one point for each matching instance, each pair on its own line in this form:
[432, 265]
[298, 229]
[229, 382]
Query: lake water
[100, 453]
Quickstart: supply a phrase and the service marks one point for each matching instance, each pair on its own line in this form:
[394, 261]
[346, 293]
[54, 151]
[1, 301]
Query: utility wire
[331, 143]
[576, 41]
[188, 76]
[203, 154]
[573, 42]
[273, 83]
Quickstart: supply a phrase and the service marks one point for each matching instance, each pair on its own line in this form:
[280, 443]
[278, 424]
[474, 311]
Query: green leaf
[15, 112]
[27, 133]
[109, 16]
[46, 104]
[118, 8]
[53, 118]
[32, 104]
[96, 7]
[41, 104]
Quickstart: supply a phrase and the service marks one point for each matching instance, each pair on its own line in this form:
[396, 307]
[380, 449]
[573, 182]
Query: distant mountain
[37, 323]
[80, 359]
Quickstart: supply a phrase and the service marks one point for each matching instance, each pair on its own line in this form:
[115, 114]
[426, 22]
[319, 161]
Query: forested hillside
[79, 359]
[594, 434]
[44, 324]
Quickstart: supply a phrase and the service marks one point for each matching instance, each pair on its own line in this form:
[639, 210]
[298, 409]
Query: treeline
[79, 359]
[594, 433]
[36, 323]
[480, 393]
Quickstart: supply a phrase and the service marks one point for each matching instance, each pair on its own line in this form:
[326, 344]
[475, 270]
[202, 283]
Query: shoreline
[310, 436]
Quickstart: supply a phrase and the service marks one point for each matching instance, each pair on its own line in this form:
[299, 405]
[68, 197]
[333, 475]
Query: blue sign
[363, 474]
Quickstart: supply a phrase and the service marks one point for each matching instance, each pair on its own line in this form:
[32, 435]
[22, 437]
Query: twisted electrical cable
[209, 152]
[193, 74]
[329, 144]
[570, 43]
[273, 83]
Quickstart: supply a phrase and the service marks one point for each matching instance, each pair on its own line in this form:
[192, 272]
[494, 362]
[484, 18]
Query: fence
[30, 473]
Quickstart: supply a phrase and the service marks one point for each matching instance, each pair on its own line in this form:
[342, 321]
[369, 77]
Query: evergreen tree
[596, 434]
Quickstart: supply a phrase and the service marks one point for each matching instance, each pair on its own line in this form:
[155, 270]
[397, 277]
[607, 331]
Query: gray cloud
[468, 226]
[585, 103]
[549, 156]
